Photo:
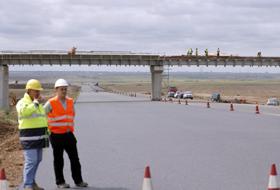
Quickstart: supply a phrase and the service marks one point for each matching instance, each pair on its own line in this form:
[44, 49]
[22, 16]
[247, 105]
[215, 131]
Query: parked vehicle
[216, 97]
[188, 95]
[178, 94]
[170, 94]
[172, 89]
[272, 102]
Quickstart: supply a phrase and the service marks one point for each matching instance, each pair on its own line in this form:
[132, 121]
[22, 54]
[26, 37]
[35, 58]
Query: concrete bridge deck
[80, 58]
[128, 59]
[156, 63]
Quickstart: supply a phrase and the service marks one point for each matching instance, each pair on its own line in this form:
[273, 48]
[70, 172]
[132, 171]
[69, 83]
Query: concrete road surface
[187, 147]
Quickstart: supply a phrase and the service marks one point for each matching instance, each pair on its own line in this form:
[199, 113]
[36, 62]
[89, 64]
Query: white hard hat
[61, 82]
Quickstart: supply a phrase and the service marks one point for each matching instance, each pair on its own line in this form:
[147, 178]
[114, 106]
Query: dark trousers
[67, 142]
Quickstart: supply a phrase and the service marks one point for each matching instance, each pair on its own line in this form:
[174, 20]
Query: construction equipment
[257, 109]
[272, 184]
[208, 104]
[147, 182]
[61, 83]
[231, 107]
[33, 84]
[4, 185]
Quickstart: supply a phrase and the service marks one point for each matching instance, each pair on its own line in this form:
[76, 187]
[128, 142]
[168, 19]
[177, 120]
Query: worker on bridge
[206, 52]
[190, 52]
[72, 51]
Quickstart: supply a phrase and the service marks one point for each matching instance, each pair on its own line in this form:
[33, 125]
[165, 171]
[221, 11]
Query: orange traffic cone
[4, 185]
[231, 107]
[147, 183]
[186, 102]
[257, 109]
[208, 104]
[272, 184]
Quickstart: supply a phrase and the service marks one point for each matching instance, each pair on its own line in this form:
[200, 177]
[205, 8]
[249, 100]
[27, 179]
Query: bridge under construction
[155, 62]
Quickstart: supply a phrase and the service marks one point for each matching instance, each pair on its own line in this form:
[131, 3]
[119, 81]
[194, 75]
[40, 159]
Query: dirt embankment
[10, 150]
[11, 156]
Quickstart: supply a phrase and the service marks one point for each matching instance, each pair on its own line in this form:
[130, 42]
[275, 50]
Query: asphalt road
[187, 147]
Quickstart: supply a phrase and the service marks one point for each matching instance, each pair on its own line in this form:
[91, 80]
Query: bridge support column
[156, 72]
[4, 87]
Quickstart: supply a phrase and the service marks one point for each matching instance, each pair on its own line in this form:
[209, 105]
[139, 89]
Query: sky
[166, 27]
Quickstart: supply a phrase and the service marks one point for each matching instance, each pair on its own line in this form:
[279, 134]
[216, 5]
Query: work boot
[63, 186]
[36, 187]
[82, 184]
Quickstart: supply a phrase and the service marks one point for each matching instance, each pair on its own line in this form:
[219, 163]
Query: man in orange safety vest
[60, 111]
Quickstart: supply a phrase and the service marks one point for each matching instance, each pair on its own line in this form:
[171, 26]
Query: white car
[178, 94]
[272, 102]
[170, 94]
[188, 95]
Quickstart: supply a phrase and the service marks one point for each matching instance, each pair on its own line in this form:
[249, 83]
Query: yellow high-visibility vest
[30, 116]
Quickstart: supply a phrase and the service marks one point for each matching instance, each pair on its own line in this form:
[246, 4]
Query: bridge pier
[4, 87]
[156, 72]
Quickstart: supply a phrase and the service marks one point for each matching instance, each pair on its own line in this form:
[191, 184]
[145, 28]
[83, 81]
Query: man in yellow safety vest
[33, 130]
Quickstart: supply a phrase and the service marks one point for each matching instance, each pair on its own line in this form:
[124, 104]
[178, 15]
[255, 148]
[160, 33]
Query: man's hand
[36, 102]
[40, 99]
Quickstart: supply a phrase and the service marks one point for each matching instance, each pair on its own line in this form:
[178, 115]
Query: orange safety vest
[60, 120]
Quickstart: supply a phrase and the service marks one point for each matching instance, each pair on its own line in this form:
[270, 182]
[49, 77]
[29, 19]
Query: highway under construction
[186, 146]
